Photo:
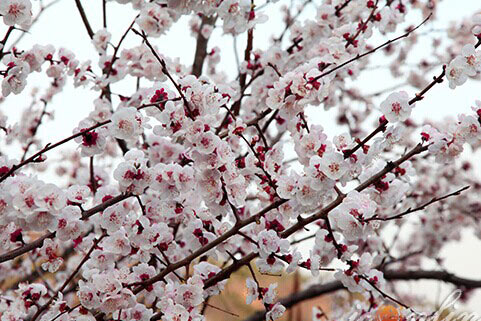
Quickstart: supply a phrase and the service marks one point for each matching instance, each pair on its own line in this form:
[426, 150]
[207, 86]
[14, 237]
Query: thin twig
[359, 56]
[167, 73]
[39, 242]
[419, 208]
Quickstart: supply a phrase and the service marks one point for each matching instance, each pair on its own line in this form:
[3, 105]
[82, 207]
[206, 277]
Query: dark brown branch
[167, 73]
[269, 121]
[384, 294]
[35, 130]
[359, 56]
[85, 20]
[35, 157]
[295, 44]
[250, 123]
[201, 47]
[419, 96]
[243, 77]
[321, 214]
[26, 248]
[436, 80]
[39, 242]
[4, 40]
[93, 182]
[238, 102]
[392, 165]
[326, 288]
[351, 40]
[116, 50]
[108, 70]
[221, 310]
[340, 7]
[383, 265]
[380, 128]
[104, 13]
[419, 208]
[382, 125]
[187, 260]
[69, 279]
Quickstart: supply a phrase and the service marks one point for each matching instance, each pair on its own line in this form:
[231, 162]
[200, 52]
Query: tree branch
[418, 208]
[321, 214]
[39, 242]
[35, 157]
[321, 289]
[187, 260]
[201, 47]
[371, 51]
[85, 20]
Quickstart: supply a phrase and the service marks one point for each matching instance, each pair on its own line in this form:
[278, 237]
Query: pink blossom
[333, 165]
[396, 107]
[16, 12]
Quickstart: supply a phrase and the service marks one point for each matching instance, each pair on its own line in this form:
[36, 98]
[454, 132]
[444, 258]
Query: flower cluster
[465, 65]
[447, 142]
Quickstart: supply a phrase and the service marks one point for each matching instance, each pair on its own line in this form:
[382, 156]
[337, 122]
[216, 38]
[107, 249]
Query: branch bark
[201, 47]
[321, 289]
[85, 20]
[321, 214]
[39, 242]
